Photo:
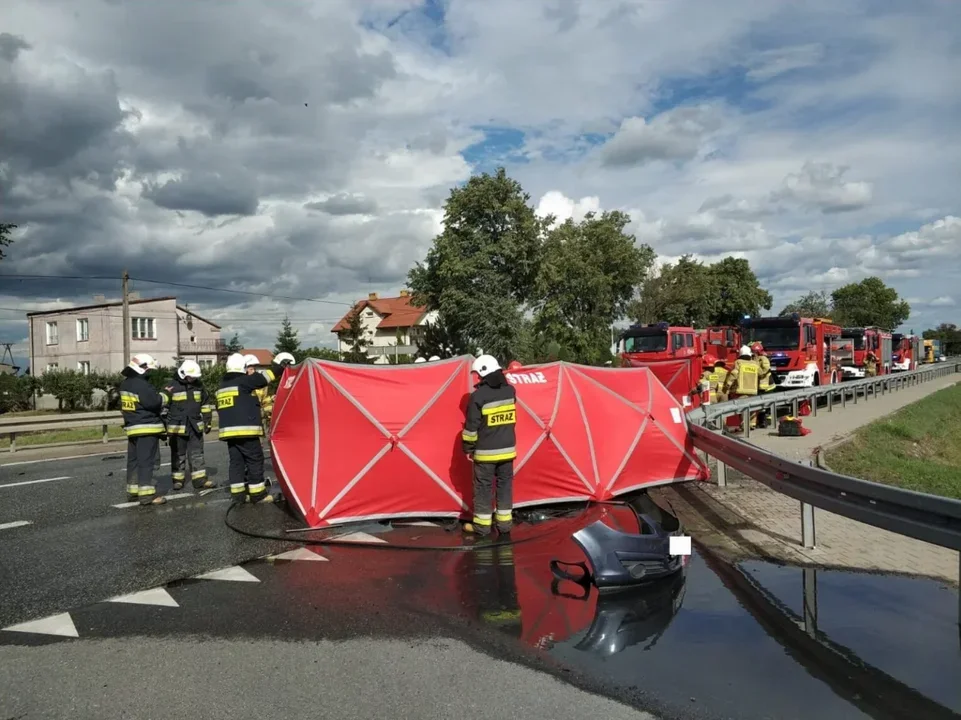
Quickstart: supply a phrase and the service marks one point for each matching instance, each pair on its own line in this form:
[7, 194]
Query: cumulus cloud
[305, 150]
[673, 135]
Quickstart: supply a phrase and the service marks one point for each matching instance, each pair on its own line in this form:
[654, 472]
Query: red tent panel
[355, 442]
[679, 376]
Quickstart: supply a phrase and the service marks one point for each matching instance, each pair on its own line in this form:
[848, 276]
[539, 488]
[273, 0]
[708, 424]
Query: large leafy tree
[6, 229]
[480, 272]
[814, 304]
[441, 340]
[287, 340]
[869, 302]
[585, 282]
[319, 353]
[737, 292]
[355, 337]
[681, 293]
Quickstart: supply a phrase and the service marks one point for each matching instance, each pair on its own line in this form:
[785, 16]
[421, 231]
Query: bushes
[76, 392]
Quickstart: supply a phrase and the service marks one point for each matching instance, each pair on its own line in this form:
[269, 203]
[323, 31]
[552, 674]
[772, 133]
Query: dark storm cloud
[207, 193]
[11, 45]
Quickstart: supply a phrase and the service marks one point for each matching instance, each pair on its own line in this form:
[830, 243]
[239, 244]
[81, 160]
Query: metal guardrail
[13, 426]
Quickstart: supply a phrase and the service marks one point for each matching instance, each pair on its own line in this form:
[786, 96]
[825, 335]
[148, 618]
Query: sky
[305, 149]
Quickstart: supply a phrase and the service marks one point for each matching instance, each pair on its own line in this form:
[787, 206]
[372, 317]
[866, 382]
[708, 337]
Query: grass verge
[918, 447]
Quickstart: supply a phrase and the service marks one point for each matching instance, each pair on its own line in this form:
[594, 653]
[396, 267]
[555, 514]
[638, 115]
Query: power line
[259, 318]
[175, 284]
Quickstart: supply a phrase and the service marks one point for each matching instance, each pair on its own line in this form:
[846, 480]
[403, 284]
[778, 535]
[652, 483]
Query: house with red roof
[392, 325]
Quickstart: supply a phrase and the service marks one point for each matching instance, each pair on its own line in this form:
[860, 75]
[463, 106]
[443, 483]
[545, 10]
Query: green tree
[234, 345]
[438, 339]
[319, 353]
[287, 339]
[481, 269]
[949, 335]
[682, 294]
[6, 229]
[738, 292]
[73, 389]
[17, 392]
[585, 283]
[812, 305]
[355, 336]
[869, 302]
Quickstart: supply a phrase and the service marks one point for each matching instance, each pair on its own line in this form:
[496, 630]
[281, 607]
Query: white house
[392, 326]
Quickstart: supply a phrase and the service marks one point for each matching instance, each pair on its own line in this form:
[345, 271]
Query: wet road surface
[360, 631]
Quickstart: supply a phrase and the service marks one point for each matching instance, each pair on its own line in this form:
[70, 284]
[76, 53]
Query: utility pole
[126, 319]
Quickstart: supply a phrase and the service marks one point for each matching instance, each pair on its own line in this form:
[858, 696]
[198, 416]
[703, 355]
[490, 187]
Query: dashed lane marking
[34, 482]
[231, 574]
[154, 596]
[15, 524]
[298, 554]
[115, 451]
[61, 624]
[135, 503]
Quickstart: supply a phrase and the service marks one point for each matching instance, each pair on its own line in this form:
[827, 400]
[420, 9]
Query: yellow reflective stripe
[503, 516]
[198, 474]
[146, 490]
[234, 489]
[128, 394]
[255, 488]
[177, 429]
[206, 408]
[269, 374]
[164, 400]
[133, 489]
[468, 436]
[231, 391]
[144, 429]
[178, 475]
[482, 520]
[495, 454]
[179, 396]
[246, 431]
[497, 406]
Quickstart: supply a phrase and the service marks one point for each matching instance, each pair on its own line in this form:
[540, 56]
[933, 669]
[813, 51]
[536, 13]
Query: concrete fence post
[808, 533]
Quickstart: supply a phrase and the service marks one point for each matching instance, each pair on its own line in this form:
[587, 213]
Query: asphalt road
[357, 632]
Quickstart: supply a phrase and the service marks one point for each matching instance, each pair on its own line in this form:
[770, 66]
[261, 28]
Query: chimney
[371, 296]
[404, 293]
[99, 298]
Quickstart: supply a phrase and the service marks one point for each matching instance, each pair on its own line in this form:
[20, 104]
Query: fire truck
[672, 353]
[800, 349]
[906, 352]
[854, 345]
[723, 342]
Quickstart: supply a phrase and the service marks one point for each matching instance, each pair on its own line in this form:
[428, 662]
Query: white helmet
[745, 351]
[280, 357]
[420, 360]
[485, 365]
[250, 359]
[434, 358]
[141, 363]
[188, 368]
[236, 363]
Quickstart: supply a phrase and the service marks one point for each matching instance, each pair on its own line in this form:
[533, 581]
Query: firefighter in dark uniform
[489, 440]
[240, 426]
[142, 407]
[188, 420]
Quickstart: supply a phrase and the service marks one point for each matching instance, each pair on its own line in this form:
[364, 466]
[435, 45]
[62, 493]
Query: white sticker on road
[15, 524]
[676, 415]
[679, 545]
[135, 503]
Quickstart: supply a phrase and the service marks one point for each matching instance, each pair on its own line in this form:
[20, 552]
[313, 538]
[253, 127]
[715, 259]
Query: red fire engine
[723, 342]
[672, 353]
[856, 343]
[906, 352]
[800, 349]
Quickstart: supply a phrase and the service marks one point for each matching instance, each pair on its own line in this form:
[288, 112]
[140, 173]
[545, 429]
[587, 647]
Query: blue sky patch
[500, 146]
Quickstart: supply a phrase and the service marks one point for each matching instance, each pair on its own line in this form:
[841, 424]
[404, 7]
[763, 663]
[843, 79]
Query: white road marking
[135, 503]
[298, 554]
[61, 624]
[232, 574]
[76, 457]
[34, 482]
[16, 524]
[358, 537]
[154, 596]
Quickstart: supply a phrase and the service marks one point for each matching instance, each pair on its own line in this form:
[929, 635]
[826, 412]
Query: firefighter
[241, 428]
[765, 380]
[715, 373]
[742, 379]
[188, 421]
[489, 441]
[870, 364]
[142, 406]
[263, 395]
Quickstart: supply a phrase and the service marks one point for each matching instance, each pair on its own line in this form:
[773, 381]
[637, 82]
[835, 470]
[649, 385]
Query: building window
[84, 367]
[83, 330]
[206, 363]
[143, 329]
[53, 336]
[52, 366]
